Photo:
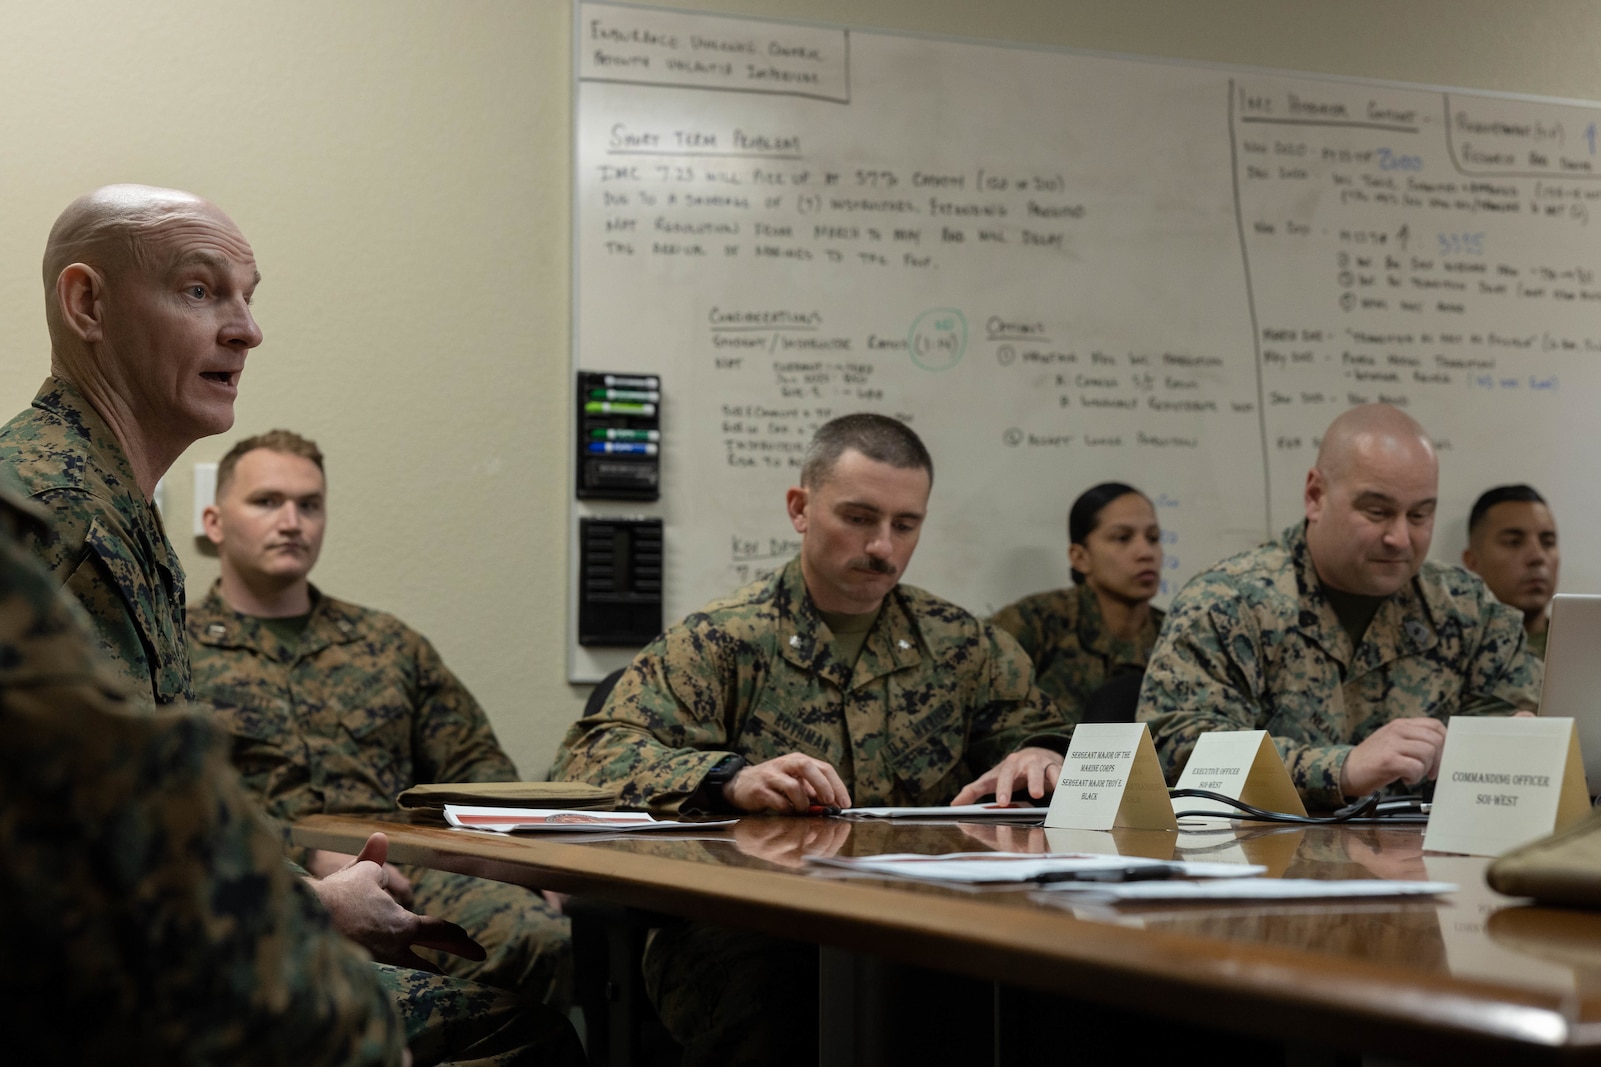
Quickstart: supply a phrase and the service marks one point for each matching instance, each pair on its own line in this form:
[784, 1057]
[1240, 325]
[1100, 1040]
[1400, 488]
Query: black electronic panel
[619, 436]
[619, 581]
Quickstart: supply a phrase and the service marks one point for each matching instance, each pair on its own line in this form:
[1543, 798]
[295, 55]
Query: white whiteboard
[1062, 269]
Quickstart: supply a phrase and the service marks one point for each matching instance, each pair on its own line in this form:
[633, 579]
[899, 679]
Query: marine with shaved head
[1340, 639]
[147, 299]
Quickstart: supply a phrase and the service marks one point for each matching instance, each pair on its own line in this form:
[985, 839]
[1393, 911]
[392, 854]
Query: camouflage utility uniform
[936, 698]
[1066, 637]
[104, 542]
[1253, 644]
[359, 710]
[144, 907]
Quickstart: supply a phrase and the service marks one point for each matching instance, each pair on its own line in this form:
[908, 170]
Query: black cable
[1370, 809]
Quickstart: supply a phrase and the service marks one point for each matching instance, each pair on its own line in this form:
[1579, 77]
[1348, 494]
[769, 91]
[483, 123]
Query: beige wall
[402, 168]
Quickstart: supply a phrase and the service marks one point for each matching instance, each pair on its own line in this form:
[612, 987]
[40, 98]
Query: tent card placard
[1504, 782]
[1111, 777]
[1242, 765]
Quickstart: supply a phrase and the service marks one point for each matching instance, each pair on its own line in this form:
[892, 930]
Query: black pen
[1144, 872]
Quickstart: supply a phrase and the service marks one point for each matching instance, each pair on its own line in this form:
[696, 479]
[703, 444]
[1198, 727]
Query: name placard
[1242, 765]
[1504, 782]
[1111, 777]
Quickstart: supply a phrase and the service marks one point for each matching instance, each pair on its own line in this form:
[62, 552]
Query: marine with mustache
[1340, 639]
[826, 683]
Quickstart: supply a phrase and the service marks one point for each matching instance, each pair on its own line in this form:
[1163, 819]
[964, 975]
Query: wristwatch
[720, 775]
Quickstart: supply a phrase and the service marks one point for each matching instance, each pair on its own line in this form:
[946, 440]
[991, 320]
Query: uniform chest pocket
[371, 709]
[249, 715]
[927, 736]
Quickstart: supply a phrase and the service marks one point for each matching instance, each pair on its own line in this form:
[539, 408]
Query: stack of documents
[563, 820]
[1220, 890]
[1075, 877]
[998, 868]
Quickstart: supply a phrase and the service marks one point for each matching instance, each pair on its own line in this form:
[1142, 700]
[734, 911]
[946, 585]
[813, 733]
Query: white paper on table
[563, 820]
[1241, 889]
[1004, 867]
[963, 811]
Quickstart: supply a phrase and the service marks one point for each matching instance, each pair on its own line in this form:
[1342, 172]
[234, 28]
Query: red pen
[823, 809]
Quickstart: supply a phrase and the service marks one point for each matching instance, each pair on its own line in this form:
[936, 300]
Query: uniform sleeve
[454, 740]
[1023, 624]
[1503, 674]
[667, 722]
[62, 548]
[150, 903]
[1208, 672]
[1012, 712]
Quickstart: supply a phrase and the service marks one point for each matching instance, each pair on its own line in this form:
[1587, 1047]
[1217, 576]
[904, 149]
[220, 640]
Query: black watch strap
[708, 797]
[722, 773]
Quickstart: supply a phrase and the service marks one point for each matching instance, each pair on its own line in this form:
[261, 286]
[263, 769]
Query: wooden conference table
[1468, 977]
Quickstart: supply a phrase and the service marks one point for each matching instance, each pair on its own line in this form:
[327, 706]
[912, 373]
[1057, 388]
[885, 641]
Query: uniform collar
[1092, 632]
[332, 622]
[804, 639]
[60, 399]
[1402, 626]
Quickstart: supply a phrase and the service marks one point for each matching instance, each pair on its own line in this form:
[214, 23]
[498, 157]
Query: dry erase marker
[626, 448]
[624, 394]
[626, 435]
[635, 383]
[601, 407]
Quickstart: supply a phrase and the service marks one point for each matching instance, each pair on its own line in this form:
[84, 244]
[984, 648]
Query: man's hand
[364, 911]
[1037, 768]
[789, 784]
[322, 863]
[1404, 750]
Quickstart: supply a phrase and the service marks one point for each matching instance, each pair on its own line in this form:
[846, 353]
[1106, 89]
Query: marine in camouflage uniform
[104, 541]
[1074, 655]
[936, 698]
[141, 898]
[1254, 644]
[106, 544]
[361, 709]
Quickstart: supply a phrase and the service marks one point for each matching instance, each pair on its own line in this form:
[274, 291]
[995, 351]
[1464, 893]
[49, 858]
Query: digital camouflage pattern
[465, 1024]
[359, 710]
[1537, 643]
[936, 698]
[1065, 635]
[142, 899]
[1253, 644]
[104, 542]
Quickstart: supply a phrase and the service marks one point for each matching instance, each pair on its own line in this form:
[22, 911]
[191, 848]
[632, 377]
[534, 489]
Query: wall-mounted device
[619, 581]
[619, 436]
